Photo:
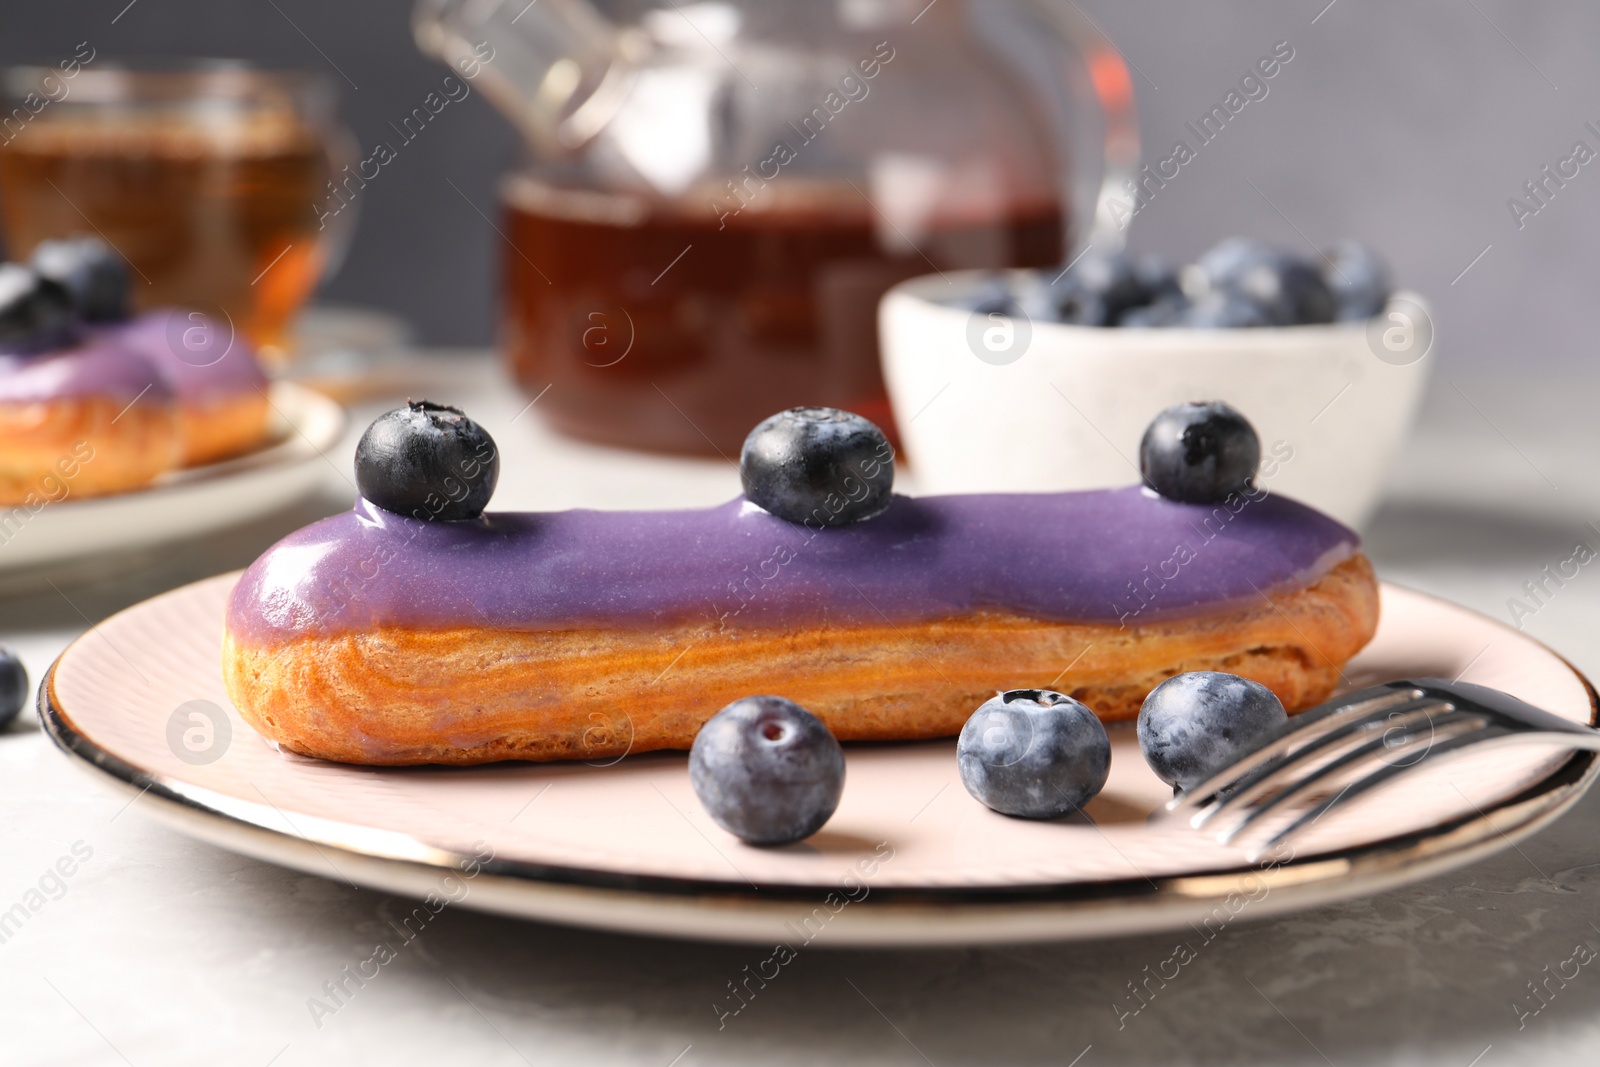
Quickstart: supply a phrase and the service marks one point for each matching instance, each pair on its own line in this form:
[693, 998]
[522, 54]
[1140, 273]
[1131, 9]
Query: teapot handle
[1110, 192]
[556, 67]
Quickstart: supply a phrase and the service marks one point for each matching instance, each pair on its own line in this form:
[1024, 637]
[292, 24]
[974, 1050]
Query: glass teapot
[719, 192]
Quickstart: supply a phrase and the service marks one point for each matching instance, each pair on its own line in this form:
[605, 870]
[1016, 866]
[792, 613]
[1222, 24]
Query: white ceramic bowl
[1065, 407]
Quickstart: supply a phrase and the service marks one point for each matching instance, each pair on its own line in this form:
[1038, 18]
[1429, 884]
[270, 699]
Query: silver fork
[1364, 738]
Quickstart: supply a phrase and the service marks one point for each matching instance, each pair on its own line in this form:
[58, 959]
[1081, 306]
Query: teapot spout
[557, 68]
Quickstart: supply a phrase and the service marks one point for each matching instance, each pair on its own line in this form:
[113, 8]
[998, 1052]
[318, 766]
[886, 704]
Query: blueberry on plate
[13, 686]
[428, 461]
[1033, 753]
[1199, 453]
[767, 770]
[35, 312]
[1358, 279]
[1194, 725]
[818, 465]
[90, 272]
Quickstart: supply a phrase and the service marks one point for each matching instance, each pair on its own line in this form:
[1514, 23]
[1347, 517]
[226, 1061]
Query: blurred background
[1407, 126]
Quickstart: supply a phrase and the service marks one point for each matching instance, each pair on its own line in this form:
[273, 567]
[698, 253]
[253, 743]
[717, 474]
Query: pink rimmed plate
[909, 858]
[102, 532]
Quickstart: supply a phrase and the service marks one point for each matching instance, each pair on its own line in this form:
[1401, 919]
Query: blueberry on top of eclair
[794, 461]
[428, 461]
[36, 313]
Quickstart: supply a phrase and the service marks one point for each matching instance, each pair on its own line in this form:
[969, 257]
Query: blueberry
[1158, 279]
[1017, 295]
[1289, 291]
[13, 686]
[35, 312]
[428, 461]
[1358, 279]
[1033, 753]
[90, 271]
[1225, 262]
[1171, 311]
[999, 304]
[1199, 453]
[767, 770]
[1224, 310]
[1193, 725]
[1077, 307]
[1033, 297]
[818, 465]
[992, 293]
[1098, 288]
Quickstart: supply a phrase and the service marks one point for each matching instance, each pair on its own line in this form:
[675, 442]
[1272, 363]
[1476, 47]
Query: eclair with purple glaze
[93, 401]
[373, 638]
[116, 406]
[85, 420]
[221, 389]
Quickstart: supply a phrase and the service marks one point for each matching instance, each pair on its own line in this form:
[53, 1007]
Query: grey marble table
[157, 949]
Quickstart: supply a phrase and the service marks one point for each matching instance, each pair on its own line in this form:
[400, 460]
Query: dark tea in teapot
[680, 326]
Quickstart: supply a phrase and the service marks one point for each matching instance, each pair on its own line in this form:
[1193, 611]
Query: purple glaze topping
[1093, 557]
[200, 358]
[101, 366]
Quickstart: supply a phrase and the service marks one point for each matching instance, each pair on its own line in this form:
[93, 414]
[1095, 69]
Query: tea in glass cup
[206, 180]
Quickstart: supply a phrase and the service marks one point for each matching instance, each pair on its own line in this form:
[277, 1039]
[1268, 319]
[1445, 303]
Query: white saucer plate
[908, 859]
[302, 425]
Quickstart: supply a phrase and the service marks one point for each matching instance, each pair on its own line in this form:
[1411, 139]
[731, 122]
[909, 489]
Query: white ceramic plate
[909, 858]
[302, 426]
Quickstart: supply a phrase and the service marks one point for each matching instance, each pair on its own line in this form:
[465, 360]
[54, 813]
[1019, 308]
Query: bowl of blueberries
[1044, 380]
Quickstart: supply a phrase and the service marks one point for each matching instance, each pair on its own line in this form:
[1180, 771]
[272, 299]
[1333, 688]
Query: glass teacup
[209, 180]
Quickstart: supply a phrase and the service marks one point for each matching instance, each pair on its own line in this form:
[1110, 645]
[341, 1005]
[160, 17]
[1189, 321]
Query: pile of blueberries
[66, 283]
[1239, 282]
[769, 771]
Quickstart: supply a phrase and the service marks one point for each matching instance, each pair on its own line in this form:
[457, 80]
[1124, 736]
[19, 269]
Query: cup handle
[339, 150]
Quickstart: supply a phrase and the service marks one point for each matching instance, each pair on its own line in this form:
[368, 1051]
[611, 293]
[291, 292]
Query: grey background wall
[1406, 124]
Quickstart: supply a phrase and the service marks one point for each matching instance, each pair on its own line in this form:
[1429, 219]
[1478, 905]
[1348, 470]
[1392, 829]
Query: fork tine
[1457, 728]
[1325, 717]
[1377, 778]
[1328, 720]
[1266, 777]
[1340, 741]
